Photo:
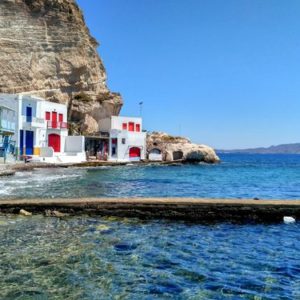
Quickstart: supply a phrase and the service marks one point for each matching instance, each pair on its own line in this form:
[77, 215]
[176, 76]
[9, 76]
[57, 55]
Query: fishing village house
[36, 129]
[7, 130]
[41, 130]
[121, 139]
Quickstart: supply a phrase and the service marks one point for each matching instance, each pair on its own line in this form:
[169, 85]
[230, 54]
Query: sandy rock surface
[47, 50]
[179, 148]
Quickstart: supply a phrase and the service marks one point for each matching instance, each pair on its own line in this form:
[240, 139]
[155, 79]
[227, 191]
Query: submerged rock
[55, 213]
[103, 228]
[182, 149]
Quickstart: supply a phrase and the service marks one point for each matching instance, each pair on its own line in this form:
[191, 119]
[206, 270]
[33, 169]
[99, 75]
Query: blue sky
[224, 73]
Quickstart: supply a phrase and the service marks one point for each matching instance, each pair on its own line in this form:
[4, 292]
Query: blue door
[21, 142]
[29, 142]
[28, 114]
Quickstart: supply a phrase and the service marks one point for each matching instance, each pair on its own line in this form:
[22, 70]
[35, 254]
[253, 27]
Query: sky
[223, 73]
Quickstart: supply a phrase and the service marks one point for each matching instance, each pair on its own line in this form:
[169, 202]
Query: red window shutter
[131, 126]
[124, 126]
[48, 116]
[60, 117]
[138, 127]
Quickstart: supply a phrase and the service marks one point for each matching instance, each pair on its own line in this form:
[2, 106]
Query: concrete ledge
[191, 209]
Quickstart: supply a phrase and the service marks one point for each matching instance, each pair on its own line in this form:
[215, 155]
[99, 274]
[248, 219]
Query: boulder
[180, 149]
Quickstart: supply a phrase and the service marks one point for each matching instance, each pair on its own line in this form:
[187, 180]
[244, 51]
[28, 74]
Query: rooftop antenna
[141, 107]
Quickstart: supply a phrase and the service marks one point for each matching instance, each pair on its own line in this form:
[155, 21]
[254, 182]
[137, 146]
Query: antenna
[141, 107]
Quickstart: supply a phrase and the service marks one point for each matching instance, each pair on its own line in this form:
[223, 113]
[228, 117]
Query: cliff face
[47, 50]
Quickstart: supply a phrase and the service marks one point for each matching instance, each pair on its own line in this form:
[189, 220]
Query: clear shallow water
[114, 258]
[117, 258]
[238, 176]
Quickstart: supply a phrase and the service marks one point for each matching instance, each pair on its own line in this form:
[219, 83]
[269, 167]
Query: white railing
[33, 121]
[57, 125]
[7, 125]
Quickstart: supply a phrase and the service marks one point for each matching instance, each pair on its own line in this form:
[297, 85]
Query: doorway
[54, 141]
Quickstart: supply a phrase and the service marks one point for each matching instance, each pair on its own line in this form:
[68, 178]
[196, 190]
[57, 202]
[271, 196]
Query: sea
[87, 257]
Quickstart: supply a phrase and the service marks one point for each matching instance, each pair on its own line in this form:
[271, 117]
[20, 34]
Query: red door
[54, 119]
[54, 141]
[134, 152]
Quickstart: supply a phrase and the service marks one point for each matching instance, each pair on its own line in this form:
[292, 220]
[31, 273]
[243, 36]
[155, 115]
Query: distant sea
[237, 176]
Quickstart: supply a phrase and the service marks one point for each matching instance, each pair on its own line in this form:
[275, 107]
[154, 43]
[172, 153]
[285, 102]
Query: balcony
[57, 125]
[33, 121]
[7, 126]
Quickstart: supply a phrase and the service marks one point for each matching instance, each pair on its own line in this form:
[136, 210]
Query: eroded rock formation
[179, 148]
[47, 50]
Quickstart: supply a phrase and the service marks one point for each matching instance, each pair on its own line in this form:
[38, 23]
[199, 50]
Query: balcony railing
[33, 121]
[8, 126]
[57, 125]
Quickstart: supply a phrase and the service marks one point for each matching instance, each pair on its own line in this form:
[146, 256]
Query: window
[123, 141]
[47, 116]
[60, 117]
[138, 127]
[29, 114]
[131, 126]
[124, 126]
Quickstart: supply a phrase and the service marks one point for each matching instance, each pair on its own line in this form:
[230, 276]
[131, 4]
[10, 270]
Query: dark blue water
[238, 176]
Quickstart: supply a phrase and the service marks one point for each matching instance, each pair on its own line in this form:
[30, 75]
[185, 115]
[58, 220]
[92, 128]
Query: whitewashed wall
[74, 144]
[132, 139]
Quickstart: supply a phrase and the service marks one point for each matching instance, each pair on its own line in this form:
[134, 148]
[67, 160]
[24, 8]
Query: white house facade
[126, 140]
[41, 124]
[42, 130]
[7, 129]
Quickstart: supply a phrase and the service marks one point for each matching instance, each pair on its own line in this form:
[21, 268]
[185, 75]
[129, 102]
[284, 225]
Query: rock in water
[47, 50]
[55, 213]
[180, 149]
[25, 213]
[289, 220]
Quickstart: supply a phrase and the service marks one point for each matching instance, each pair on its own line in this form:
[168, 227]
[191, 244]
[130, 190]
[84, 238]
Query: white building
[122, 139]
[42, 130]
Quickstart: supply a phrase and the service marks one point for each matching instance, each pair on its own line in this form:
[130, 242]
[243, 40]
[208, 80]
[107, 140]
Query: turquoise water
[238, 176]
[117, 258]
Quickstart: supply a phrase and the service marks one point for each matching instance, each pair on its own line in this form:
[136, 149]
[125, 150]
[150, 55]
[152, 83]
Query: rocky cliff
[180, 148]
[47, 50]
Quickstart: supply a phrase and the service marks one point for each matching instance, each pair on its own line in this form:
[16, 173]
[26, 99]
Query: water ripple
[105, 258]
